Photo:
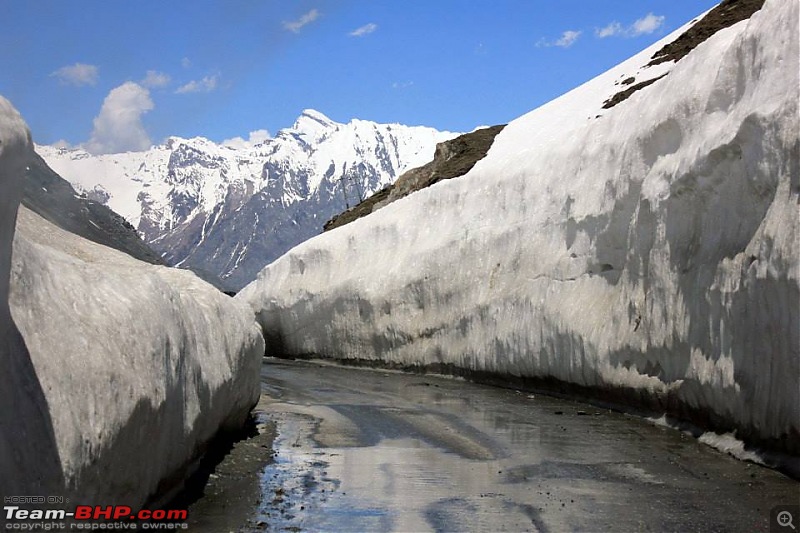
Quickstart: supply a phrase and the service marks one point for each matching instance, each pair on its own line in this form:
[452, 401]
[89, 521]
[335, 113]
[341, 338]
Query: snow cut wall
[116, 373]
[648, 252]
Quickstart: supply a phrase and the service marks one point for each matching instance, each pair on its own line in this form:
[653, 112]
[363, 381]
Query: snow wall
[116, 373]
[648, 255]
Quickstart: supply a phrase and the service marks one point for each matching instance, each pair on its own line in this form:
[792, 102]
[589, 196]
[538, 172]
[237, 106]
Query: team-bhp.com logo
[95, 517]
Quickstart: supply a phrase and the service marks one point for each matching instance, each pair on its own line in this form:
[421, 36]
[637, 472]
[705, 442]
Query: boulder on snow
[116, 373]
[647, 253]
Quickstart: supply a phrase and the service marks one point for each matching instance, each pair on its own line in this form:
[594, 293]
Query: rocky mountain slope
[453, 158]
[230, 211]
[50, 196]
[644, 253]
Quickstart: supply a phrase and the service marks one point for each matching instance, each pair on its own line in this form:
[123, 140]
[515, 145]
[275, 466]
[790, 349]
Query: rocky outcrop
[724, 15]
[452, 159]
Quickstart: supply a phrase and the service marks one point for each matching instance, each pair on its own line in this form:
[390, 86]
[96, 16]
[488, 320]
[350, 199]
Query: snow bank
[647, 252]
[27, 443]
[120, 372]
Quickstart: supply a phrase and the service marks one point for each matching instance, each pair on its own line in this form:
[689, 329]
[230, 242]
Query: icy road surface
[366, 450]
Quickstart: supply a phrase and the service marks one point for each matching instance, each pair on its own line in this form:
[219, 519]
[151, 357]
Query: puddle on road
[365, 451]
[394, 485]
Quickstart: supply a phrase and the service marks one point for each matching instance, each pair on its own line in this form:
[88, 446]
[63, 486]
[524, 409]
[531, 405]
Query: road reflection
[378, 451]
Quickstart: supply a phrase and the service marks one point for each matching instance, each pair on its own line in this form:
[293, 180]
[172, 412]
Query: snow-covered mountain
[635, 241]
[230, 211]
[50, 196]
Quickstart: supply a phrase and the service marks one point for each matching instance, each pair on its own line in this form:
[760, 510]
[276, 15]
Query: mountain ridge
[51, 197]
[231, 211]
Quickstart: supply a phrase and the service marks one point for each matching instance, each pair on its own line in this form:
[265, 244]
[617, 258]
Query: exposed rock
[452, 159]
[724, 15]
[623, 95]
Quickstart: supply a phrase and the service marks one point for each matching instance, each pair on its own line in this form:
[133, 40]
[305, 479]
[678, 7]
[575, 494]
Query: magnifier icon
[785, 520]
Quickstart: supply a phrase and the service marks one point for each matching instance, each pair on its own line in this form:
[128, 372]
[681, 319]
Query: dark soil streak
[452, 159]
[623, 95]
[726, 14]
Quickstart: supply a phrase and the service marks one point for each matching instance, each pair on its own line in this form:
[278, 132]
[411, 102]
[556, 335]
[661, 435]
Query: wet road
[363, 450]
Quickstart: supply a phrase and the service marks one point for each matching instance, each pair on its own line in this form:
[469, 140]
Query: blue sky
[113, 75]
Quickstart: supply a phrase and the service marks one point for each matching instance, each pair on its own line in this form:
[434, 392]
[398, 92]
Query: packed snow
[27, 444]
[649, 253]
[116, 373]
[194, 201]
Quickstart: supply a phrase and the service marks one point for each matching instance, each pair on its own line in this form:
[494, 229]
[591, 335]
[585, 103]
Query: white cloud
[236, 142]
[62, 144]
[402, 84]
[296, 25]
[78, 74]
[118, 127]
[259, 136]
[566, 40]
[186, 62]
[614, 28]
[256, 137]
[645, 25]
[206, 85]
[155, 79]
[363, 30]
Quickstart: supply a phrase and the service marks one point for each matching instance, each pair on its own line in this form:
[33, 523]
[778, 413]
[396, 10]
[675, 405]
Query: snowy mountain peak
[312, 126]
[317, 116]
[201, 143]
[230, 210]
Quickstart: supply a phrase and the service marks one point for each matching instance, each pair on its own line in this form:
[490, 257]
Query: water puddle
[365, 451]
